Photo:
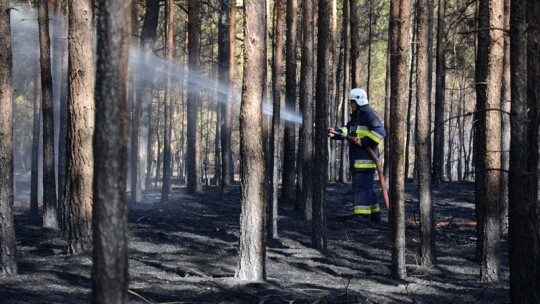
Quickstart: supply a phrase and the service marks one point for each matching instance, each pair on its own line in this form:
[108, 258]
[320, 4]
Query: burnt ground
[185, 251]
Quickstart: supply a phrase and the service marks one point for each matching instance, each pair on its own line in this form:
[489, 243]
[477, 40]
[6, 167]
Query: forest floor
[186, 251]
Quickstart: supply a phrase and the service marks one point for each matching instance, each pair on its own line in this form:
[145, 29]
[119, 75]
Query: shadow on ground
[185, 251]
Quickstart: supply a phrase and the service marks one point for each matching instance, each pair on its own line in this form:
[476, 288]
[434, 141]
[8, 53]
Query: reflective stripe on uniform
[362, 209]
[362, 131]
[364, 164]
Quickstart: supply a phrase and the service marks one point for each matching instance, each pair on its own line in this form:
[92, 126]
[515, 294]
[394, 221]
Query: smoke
[148, 69]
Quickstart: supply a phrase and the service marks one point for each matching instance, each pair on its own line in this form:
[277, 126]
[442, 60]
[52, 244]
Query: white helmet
[359, 96]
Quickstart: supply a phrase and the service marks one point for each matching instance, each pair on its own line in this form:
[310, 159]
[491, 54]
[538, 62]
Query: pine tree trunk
[81, 127]
[409, 119]
[322, 95]
[490, 265]
[63, 141]
[226, 108]
[8, 250]
[50, 205]
[167, 108]
[505, 124]
[524, 217]
[193, 141]
[480, 125]
[134, 157]
[60, 59]
[305, 150]
[278, 81]
[288, 184]
[148, 38]
[36, 133]
[346, 28]
[110, 275]
[252, 249]
[440, 86]
[399, 51]
[423, 135]
[355, 17]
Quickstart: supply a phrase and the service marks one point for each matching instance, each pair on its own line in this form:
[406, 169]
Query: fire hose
[382, 181]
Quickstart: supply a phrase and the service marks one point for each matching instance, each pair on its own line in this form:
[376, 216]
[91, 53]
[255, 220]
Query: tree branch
[466, 115]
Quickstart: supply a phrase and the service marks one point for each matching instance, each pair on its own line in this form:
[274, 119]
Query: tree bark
[423, 135]
[409, 119]
[168, 105]
[505, 124]
[289, 141]
[36, 133]
[193, 141]
[399, 54]
[252, 249]
[305, 149]
[60, 94]
[440, 86]
[81, 127]
[391, 50]
[346, 34]
[524, 214]
[322, 96]
[148, 36]
[278, 81]
[50, 204]
[480, 121]
[8, 250]
[490, 265]
[135, 122]
[355, 17]
[110, 257]
[227, 62]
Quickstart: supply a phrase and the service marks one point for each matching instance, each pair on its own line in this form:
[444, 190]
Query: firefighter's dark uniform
[365, 125]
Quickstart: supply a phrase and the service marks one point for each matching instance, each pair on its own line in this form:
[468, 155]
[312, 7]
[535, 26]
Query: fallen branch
[139, 296]
[442, 224]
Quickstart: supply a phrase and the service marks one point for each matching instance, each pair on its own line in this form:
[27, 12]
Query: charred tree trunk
[148, 38]
[50, 204]
[423, 135]
[355, 17]
[134, 119]
[322, 97]
[110, 275]
[391, 51]
[399, 53]
[277, 85]
[167, 108]
[440, 86]
[36, 133]
[305, 150]
[409, 119]
[524, 217]
[193, 140]
[505, 124]
[480, 121]
[227, 64]
[60, 94]
[8, 250]
[333, 84]
[289, 140]
[346, 33]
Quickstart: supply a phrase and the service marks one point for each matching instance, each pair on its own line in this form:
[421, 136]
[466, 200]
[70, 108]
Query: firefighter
[367, 130]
